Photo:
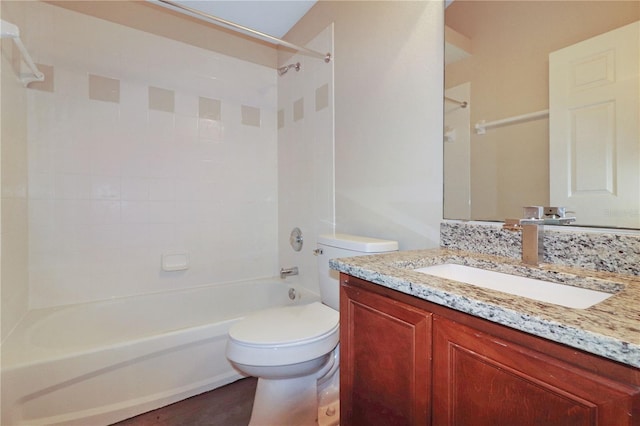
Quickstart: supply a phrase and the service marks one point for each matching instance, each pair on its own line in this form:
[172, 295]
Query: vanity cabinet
[482, 380]
[405, 361]
[384, 362]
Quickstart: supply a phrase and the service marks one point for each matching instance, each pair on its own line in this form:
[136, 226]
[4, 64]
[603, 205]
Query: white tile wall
[14, 268]
[305, 159]
[114, 185]
[14, 178]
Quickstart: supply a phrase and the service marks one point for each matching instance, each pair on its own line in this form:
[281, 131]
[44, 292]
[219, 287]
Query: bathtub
[98, 363]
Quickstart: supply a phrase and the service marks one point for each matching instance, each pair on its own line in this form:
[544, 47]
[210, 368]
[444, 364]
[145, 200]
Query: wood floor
[229, 405]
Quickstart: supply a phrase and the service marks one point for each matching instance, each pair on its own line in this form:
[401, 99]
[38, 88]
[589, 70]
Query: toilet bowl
[294, 350]
[289, 350]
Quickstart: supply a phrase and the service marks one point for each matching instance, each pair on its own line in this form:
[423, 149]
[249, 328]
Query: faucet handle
[558, 216]
[555, 212]
[533, 212]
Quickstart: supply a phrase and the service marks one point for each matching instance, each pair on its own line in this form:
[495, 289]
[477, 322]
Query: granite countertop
[610, 328]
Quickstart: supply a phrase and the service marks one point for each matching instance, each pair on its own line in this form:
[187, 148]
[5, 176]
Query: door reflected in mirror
[564, 132]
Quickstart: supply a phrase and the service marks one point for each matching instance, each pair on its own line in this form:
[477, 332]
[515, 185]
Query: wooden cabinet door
[483, 380]
[385, 350]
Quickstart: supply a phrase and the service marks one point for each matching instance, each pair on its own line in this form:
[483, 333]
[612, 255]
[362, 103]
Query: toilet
[294, 350]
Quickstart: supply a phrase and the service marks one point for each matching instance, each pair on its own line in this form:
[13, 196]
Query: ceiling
[272, 17]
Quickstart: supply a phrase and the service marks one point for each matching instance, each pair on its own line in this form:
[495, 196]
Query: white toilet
[293, 350]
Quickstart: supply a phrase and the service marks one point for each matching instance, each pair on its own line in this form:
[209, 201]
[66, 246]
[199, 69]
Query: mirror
[538, 149]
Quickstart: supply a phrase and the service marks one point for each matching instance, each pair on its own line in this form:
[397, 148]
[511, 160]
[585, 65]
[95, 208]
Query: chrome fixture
[462, 104]
[532, 242]
[250, 31]
[283, 70]
[557, 216]
[295, 239]
[285, 272]
[532, 227]
[292, 294]
[548, 215]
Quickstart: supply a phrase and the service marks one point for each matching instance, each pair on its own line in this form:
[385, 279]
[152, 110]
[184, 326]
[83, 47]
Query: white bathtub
[98, 363]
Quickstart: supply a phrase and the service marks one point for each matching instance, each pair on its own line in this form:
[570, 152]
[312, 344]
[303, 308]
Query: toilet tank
[333, 246]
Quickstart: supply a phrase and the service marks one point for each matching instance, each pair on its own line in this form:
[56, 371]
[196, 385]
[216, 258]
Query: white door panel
[594, 97]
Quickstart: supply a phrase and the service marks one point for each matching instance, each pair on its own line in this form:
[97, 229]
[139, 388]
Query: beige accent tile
[250, 116]
[104, 88]
[280, 118]
[47, 84]
[209, 109]
[161, 99]
[322, 97]
[298, 109]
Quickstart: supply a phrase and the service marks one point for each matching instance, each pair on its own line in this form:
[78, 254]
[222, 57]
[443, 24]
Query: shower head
[286, 68]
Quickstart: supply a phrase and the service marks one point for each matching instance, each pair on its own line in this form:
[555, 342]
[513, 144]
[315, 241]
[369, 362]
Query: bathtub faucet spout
[285, 272]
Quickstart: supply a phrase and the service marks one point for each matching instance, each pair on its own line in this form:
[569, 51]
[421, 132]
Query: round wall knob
[295, 239]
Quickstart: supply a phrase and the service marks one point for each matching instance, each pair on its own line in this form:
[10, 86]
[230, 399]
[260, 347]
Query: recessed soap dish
[175, 262]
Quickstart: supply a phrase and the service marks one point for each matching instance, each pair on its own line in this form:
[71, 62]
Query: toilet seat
[291, 325]
[286, 335]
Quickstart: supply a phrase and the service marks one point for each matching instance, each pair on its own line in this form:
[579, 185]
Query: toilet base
[286, 402]
[285, 397]
[329, 412]
[329, 394]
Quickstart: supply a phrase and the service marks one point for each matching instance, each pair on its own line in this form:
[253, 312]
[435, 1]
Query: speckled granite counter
[563, 245]
[610, 329]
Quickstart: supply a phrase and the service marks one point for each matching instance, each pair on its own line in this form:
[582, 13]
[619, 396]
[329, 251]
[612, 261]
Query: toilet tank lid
[357, 243]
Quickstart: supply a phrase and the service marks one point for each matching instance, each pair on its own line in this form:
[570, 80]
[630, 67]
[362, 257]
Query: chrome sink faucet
[532, 227]
[532, 243]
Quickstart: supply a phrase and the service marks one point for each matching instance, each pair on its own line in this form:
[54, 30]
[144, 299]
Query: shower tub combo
[101, 362]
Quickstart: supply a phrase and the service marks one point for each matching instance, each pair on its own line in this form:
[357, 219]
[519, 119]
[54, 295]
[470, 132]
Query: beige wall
[508, 71]
[13, 140]
[388, 109]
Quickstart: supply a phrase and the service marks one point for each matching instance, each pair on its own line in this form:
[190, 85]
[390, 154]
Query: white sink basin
[543, 291]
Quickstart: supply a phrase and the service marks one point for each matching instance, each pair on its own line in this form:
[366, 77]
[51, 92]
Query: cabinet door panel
[483, 380]
[385, 361]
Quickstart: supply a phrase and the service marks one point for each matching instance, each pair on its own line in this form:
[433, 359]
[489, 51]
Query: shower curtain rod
[482, 125]
[325, 56]
[463, 104]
